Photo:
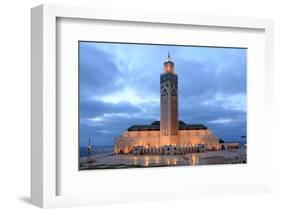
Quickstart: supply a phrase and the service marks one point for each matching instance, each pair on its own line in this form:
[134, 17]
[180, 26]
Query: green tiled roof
[155, 126]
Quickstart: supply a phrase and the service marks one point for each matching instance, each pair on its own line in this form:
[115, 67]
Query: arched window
[164, 92]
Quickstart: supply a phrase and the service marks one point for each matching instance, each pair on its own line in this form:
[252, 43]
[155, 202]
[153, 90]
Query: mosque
[169, 135]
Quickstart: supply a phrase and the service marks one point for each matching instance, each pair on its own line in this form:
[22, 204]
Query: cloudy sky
[120, 87]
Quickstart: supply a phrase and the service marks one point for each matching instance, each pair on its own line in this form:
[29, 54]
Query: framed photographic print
[126, 102]
[134, 120]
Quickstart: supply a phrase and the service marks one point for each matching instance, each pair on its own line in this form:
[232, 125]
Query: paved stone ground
[112, 161]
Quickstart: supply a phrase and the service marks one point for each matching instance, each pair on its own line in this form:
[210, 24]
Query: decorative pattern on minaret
[169, 104]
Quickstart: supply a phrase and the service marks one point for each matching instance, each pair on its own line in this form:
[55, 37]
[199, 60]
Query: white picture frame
[44, 153]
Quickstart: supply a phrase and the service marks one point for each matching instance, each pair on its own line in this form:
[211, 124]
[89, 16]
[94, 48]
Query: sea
[241, 143]
[96, 150]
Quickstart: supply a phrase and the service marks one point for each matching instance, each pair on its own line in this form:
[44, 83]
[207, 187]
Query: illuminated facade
[169, 135]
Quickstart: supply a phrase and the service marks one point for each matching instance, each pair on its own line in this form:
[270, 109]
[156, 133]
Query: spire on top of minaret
[169, 59]
[169, 64]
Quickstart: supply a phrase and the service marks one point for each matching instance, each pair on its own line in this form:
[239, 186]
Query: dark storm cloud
[229, 124]
[231, 131]
[103, 132]
[98, 73]
[205, 114]
[199, 83]
[197, 78]
[94, 108]
[104, 121]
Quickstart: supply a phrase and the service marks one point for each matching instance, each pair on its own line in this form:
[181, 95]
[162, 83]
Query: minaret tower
[169, 124]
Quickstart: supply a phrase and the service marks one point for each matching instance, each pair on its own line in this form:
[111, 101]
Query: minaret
[169, 124]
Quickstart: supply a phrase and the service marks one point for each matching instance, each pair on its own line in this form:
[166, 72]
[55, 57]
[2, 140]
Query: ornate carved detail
[174, 92]
[164, 92]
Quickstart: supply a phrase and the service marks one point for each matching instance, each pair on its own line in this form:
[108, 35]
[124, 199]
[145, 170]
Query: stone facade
[148, 142]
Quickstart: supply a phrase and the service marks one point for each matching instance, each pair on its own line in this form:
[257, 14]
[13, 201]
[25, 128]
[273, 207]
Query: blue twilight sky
[120, 87]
